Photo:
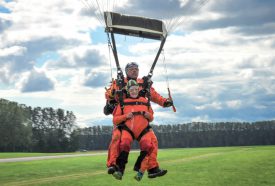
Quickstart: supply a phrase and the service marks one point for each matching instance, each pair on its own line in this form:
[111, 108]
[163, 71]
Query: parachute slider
[135, 26]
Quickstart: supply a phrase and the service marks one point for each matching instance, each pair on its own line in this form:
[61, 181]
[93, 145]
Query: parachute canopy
[135, 26]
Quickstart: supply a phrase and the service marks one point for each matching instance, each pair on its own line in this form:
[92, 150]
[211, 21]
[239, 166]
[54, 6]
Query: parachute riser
[147, 79]
[150, 74]
[115, 53]
[120, 76]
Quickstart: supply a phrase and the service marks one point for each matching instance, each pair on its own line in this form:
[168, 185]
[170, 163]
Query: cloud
[37, 81]
[79, 57]
[220, 64]
[96, 79]
[4, 24]
[245, 16]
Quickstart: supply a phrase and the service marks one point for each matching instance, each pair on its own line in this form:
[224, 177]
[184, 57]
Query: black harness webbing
[136, 103]
[147, 129]
[124, 127]
[138, 113]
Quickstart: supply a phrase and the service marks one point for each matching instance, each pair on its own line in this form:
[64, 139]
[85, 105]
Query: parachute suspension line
[87, 5]
[165, 69]
[173, 20]
[108, 8]
[101, 12]
[114, 5]
[91, 6]
[111, 5]
[179, 20]
[167, 81]
[197, 7]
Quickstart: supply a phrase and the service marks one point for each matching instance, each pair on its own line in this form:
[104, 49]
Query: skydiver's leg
[122, 159]
[142, 162]
[153, 162]
[113, 151]
[153, 165]
[146, 148]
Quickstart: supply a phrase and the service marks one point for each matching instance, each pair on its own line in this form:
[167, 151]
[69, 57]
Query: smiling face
[133, 91]
[132, 72]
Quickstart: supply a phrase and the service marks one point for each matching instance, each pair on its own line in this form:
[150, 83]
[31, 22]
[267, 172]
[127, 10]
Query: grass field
[4, 155]
[188, 166]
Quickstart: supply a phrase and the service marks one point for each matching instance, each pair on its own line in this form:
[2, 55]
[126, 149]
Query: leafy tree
[15, 127]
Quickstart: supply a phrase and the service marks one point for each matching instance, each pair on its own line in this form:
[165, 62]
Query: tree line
[27, 129]
[195, 134]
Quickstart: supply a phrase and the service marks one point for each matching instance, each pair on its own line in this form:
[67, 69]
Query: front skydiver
[136, 115]
[132, 72]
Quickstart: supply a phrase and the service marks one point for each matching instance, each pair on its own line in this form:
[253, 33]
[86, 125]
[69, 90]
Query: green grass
[4, 155]
[189, 166]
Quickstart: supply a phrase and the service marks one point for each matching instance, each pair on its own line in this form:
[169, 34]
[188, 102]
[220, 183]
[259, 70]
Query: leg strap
[122, 126]
[147, 129]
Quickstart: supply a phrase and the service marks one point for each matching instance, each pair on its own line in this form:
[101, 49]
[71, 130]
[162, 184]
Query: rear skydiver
[132, 72]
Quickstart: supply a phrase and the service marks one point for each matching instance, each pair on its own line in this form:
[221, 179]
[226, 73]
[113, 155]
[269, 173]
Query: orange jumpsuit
[113, 150]
[137, 124]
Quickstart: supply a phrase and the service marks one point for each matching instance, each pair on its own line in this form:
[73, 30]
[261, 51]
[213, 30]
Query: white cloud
[213, 105]
[36, 81]
[219, 63]
[234, 103]
[12, 51]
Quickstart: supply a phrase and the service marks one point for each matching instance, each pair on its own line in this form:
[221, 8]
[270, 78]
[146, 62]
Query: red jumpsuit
[113, 150]
[137, 124]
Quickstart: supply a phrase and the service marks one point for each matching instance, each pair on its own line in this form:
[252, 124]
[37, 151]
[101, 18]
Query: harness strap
[135, 103]
[147, 129]
[138, 113]
[122, 126]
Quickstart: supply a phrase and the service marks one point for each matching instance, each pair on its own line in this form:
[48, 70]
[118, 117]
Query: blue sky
[220, 60]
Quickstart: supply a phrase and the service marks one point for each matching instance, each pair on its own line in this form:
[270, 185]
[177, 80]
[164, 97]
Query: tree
[15, 127]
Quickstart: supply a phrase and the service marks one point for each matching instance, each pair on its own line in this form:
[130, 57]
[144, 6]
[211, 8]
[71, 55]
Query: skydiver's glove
[147, 82]
[109, 107]
[168, 103]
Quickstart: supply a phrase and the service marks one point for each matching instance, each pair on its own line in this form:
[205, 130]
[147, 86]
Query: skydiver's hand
[147, 115]
[130, 115]
[168, 103]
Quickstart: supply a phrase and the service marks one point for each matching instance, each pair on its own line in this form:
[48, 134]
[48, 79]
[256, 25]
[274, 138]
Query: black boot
[156, 172]
[121, 161]
[139, 160]
[112, 169]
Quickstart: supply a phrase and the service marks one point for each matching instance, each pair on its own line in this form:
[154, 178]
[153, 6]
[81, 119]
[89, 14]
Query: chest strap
[138, 113]
[136, 103]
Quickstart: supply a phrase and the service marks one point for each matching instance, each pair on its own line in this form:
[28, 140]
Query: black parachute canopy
[135, 26]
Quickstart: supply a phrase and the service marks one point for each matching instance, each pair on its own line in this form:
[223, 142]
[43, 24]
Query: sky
[218, 61]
